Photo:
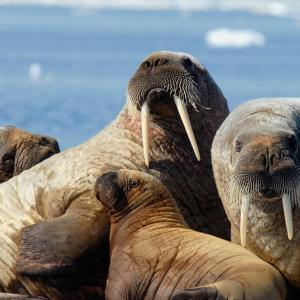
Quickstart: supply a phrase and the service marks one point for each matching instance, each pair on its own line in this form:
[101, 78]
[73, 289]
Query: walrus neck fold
[154, 212]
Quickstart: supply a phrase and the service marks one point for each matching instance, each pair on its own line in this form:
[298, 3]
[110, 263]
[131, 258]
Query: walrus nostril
[146, 65]
[263, 160]
[153, 63]
[160, 62]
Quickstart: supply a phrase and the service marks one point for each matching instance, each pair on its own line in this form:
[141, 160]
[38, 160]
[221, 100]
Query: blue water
[88, 57]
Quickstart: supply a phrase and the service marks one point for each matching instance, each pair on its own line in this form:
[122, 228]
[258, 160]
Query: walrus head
[168, 81]
[120, 189]
[127, 192]
[256, 160]
[20, 150]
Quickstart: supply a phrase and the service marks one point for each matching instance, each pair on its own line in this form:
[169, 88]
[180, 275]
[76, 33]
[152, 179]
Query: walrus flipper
[203, 293]
[74, 242]
[19, 297]
[222, 290]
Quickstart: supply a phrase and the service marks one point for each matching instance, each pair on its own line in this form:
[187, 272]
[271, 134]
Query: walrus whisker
[145, 115]
[247, 184]
[187, 125]
[288, 216]
[244, 219]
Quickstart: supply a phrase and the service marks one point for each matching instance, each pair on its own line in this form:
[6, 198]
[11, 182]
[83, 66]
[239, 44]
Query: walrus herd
[143, 209]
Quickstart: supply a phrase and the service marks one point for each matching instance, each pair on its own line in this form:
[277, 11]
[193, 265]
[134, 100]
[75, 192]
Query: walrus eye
[188, 63]
[238, 145]
[132, 183]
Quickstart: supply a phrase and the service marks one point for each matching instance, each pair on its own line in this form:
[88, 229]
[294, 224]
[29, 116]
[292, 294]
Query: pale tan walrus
[170, 94]
[256, 159]
[154, 255]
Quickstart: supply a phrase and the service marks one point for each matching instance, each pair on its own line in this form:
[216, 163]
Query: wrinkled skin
[21, 150]
[53, 212]
[155, 256]
[256, 152]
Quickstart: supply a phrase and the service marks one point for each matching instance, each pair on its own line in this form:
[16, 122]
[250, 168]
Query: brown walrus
[20, 150]
[256, 160]
[56, 197]
[154, 255]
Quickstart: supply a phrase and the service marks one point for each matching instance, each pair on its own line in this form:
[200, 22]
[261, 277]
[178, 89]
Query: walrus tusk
[288, 216]
[187, 124]
[145, 112]
[244, 219]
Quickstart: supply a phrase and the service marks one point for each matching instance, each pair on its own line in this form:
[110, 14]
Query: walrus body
[57, 195]
[256, 163]
[20, 150]
[155, 256]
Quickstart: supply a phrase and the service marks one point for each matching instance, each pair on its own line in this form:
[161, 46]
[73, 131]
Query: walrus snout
[50, 142]
[271, 150]
[109, 191]
[166, 78]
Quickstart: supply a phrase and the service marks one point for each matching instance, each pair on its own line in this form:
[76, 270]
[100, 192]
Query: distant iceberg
[229, 38]
[35, 72]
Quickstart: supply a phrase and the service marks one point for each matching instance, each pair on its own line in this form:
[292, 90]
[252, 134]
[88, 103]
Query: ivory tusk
[187, 124]
[288, 215]
[244, 219]
[145, 115]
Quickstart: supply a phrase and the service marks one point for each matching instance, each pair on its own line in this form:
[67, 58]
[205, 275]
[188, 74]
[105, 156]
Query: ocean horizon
[64, 70]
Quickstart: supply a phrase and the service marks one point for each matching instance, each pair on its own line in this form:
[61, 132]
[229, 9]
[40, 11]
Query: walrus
[20, 150]
[256, 164]
[51, 224]
[154, 255]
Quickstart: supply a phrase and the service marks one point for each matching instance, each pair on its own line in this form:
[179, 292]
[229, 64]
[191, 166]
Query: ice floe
[231, 38]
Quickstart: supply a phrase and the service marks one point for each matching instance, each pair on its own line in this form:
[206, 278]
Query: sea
[64, 70]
